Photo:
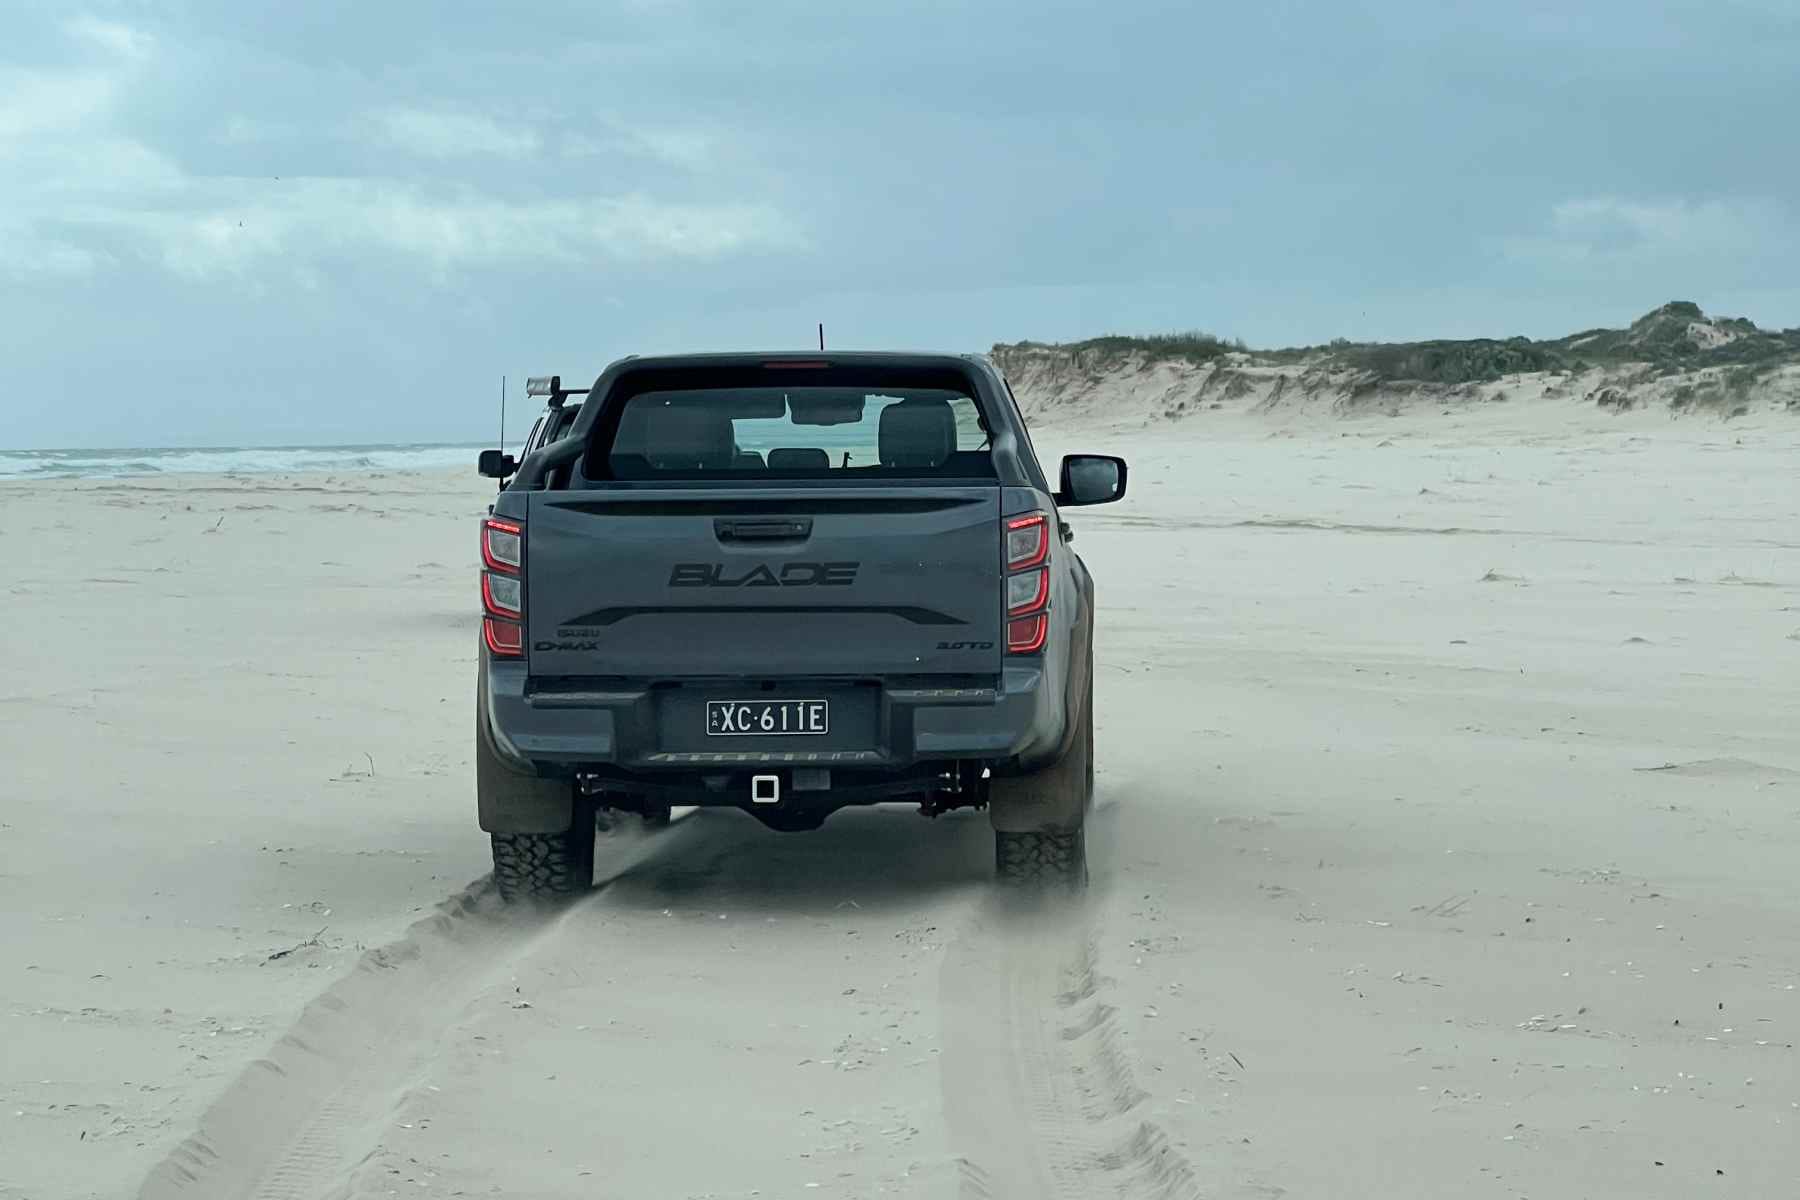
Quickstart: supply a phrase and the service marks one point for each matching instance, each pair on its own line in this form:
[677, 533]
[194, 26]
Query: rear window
[796, 433]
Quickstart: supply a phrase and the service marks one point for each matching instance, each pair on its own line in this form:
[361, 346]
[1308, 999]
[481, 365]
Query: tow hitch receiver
[765, 789]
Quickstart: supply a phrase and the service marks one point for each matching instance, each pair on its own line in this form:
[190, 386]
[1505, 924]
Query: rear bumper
[624, 725]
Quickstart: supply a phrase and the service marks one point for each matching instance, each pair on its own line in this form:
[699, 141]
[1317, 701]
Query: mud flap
[1055, 798]
[509, 800]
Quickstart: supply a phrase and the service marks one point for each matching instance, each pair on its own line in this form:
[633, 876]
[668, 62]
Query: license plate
[767, 718]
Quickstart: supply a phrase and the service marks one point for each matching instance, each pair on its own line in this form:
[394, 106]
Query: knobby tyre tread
[1051, 858]
[546, 866]
[1047, 859]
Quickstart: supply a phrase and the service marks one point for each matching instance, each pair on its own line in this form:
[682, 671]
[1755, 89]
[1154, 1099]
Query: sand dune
[1446, 847]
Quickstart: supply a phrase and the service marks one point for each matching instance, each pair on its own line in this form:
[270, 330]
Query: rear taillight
[503, 587]
[1026, 592]
[502, 594]
[1027, 582]
[501, 542]
[505, 639]
[1026, 635]
[1027, 541]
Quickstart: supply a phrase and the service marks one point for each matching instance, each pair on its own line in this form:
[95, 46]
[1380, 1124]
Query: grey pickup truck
[787, 583]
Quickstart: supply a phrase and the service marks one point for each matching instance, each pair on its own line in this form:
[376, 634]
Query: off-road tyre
[1051, 857]
[547, 866]
[1046, 860]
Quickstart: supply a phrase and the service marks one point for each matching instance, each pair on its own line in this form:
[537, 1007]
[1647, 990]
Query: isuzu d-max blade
[787, 583]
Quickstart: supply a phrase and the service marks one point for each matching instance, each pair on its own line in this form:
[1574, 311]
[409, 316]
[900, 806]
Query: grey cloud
[451, 134]
[357, 189]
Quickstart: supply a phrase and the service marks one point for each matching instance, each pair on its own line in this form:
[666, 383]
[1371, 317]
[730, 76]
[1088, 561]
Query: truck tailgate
[775, 582]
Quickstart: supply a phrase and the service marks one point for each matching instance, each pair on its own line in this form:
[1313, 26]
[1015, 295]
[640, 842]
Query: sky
[255, 222]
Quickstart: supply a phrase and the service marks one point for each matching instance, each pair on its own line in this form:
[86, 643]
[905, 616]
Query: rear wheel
[1040, 819]
[1046, 859]
[547, 866]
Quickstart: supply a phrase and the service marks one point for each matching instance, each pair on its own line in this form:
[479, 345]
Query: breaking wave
[231, 460]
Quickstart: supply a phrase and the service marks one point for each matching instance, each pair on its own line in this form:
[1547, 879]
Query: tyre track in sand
[1032, 1093]
[296, 1123]
[1039, 1093]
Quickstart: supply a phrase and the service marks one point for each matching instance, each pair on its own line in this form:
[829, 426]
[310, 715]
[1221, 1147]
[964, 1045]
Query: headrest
[799, 458]
[917, 433]
[684, 437]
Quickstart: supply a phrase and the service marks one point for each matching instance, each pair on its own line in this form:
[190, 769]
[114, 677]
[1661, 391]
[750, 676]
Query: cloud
[45, 258]
[54, 148]
[689, 149]
[113, 37]
[327, 219]
[209, 228]
[80, 193]
[35, 103]
[1614, 231]
[443, 135]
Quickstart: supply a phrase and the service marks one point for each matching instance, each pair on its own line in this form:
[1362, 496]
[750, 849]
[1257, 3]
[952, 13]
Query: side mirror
[1091, 479]
[496, 464]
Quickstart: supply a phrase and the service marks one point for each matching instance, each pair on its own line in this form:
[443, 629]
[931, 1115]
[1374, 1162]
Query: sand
[1449, 819]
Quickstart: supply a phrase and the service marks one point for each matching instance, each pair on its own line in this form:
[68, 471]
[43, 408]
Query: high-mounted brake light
[1027, 541]
[500, 545]
[796, 364]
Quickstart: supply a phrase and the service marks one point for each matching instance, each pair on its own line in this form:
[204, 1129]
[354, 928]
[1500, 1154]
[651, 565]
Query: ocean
[858, 438]
[235, 460]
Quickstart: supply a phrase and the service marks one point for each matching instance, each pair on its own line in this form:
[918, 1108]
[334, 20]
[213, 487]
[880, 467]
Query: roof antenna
[821, 335]
[503, 414]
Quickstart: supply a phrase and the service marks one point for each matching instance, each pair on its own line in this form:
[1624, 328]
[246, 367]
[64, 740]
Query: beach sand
[1449, 814]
